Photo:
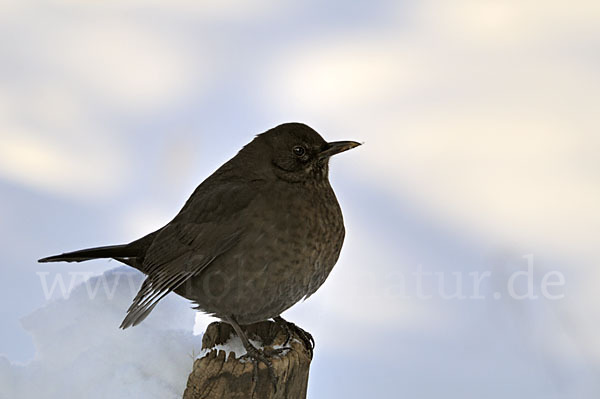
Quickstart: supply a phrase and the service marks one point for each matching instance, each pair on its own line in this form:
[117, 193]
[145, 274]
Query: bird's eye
[299, 150]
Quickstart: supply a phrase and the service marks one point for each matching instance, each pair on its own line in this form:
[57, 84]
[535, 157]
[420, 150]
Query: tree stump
[219, 375]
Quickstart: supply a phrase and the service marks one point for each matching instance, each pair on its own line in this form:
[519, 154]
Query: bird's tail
[112, 251]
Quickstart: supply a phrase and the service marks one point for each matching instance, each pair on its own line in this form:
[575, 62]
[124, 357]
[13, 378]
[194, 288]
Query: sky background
[481, 131]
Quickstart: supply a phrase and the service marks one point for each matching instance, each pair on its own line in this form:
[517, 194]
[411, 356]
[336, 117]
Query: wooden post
[219, 375]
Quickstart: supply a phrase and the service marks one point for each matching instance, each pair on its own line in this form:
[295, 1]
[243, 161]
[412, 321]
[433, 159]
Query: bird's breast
[301, 234]
[291, 240]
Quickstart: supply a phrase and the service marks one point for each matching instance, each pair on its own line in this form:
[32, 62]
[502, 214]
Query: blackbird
[257, 236]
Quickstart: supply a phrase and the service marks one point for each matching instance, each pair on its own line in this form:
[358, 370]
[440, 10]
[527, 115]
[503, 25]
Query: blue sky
[481, 138]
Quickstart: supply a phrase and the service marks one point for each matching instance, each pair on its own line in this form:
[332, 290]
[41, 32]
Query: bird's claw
[257, 355]
[291, 329]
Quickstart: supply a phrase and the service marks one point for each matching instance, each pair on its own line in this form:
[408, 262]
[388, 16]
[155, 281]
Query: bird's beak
[336, 147]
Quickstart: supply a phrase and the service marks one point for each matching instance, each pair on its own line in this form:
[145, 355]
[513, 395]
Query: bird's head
[296, 153]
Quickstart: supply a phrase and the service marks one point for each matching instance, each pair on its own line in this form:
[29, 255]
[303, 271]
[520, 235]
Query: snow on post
[221, 371]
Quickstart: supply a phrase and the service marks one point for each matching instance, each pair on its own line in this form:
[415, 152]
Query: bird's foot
[291, 329]
[258, 355]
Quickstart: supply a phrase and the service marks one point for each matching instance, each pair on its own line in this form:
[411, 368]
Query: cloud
[528, 181]
[68, 167]
[342, 73]
[107, 59]
[63, 75]
[125, 63]
[513, 22]
[490, 134]
[230, 10]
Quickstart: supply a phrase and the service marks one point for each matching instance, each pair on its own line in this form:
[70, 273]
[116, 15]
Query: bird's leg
[254, 353]
[291, 329]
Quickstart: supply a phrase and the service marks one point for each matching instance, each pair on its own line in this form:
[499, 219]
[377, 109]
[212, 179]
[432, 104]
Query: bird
[257, 236]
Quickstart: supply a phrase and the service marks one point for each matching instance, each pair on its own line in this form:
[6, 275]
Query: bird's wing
[203, 231]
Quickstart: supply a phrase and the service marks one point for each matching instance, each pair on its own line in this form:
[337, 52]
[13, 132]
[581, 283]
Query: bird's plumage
[258, 235]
